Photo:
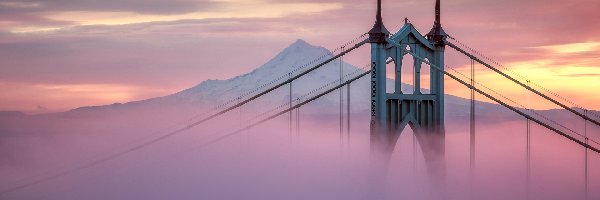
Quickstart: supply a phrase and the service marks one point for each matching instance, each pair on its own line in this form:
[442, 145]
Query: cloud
[60, 97]
[32, 15]
[120, 14]
[147, 6]
[580, 47]
[581, 75]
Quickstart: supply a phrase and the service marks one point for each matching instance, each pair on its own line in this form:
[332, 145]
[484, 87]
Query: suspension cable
[522, 84]
[512, 71]
[520, 105]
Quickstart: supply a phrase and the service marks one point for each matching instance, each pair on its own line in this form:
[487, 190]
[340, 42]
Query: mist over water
[270, 162]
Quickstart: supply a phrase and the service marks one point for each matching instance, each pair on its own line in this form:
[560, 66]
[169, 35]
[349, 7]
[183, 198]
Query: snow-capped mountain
[290, 60]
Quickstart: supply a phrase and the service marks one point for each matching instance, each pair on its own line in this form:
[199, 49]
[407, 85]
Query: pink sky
[59, 55]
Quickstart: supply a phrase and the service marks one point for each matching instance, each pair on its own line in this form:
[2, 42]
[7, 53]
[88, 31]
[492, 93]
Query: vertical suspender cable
[586, 157]
[298, 120]
[341, 97]
[240, 110]
[528, 164]
[472, 130]
[472, 118]
[348, 111]
[528, 146]
[290, 74]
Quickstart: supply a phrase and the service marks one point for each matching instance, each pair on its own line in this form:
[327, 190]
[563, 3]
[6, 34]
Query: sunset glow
[67, 96]
[66, 55]
[299, 99]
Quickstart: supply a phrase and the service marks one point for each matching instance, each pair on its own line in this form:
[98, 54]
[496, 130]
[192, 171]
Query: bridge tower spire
[378, 33]
[437, 33]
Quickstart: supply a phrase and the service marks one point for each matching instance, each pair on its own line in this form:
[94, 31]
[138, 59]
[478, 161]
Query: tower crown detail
[378, 33]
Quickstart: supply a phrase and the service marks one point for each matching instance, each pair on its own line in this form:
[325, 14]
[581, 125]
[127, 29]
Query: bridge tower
[421, 110]
[393, 111]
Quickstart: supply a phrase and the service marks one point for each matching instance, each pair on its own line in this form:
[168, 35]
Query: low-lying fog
[269, 162]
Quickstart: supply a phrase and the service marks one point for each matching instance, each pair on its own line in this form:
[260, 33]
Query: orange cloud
[244, 9]
[573, 47]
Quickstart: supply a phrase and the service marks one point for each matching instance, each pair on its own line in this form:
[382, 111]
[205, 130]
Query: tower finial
[378, 33]
[437, 33]
[378, 19]
[437, 13]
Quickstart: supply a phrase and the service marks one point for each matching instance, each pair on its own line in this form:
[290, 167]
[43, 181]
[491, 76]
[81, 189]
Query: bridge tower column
[437, 36]
[379, 53]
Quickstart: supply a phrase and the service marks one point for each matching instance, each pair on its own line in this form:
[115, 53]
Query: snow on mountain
[286, 61]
